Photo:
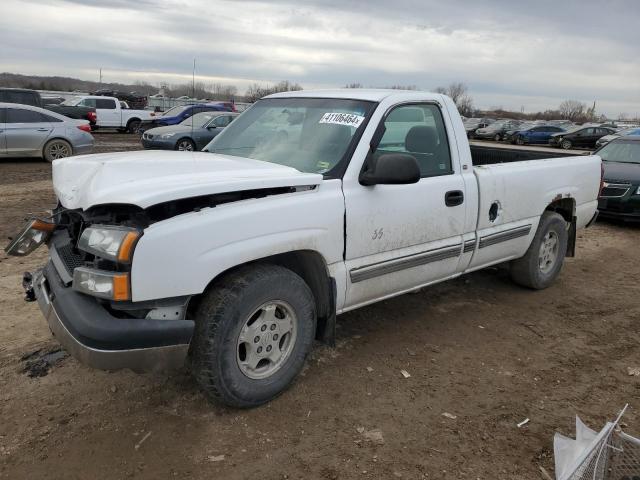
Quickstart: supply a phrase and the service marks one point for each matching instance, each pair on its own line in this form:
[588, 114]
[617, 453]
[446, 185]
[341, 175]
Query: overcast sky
[530, 54]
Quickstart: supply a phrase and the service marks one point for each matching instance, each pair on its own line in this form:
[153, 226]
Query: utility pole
[100, 76]
[193, 80]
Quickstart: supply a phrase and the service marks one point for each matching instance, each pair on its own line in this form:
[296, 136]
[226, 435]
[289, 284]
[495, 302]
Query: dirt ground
[479, 348]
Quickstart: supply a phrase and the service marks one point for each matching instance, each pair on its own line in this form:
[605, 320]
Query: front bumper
[623, 208]
[159, 144]
[100, 340]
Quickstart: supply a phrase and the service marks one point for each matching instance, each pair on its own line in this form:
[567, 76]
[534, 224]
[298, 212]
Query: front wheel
[543, 261]
[185, 145]
[497, 137]
[254, 329]
[566, 144]
[56, 149]
[520, 141]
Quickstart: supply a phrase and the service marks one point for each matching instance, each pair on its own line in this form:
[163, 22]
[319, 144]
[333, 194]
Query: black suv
[21, 96]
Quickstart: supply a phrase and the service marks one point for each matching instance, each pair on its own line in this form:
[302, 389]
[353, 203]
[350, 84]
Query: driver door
[399, 237]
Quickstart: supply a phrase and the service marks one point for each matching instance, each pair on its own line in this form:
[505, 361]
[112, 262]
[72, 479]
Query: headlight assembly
[35, 234]
[167, 135]
[111, 243]
[103, 284]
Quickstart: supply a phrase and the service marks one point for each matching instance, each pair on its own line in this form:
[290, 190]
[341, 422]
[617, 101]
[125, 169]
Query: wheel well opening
[567, 208]
[311, 267]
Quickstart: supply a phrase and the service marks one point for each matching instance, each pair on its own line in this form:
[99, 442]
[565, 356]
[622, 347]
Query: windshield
[309, 134]
[172, 112]
[198, 120]
[620, 151]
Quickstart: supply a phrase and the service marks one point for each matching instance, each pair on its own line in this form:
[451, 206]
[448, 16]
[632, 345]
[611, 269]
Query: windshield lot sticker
[347, 119]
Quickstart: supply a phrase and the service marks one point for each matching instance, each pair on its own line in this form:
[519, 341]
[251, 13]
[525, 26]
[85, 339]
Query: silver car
[27, 131]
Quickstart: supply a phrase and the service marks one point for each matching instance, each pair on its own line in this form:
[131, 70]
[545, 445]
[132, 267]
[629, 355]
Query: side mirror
[392, 169]
[211, 127]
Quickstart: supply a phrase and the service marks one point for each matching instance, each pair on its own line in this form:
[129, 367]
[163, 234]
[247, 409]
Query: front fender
[181, 255]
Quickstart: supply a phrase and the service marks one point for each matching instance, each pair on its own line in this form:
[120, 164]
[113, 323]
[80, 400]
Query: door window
[106, 103]
[3, 115]
[418, 130]
[49, 118]
[15, 115]
[222, 121]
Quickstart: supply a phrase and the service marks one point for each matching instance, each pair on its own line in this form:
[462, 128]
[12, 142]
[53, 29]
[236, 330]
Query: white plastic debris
[449, 415]
[523, 422]
[405, 374]
[215, 458]
[633, 371]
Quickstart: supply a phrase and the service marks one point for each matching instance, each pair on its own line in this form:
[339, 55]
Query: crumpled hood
[146, 178]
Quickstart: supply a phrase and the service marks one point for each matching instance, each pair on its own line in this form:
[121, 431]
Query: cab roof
[370, 94]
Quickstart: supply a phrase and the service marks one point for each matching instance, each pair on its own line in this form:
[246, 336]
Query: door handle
[43, 129]
[453, 198]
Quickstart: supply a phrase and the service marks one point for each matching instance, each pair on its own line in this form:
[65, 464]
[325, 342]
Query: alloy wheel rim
[266, 339]
[185, 146]
[58, 150]
[548, 254]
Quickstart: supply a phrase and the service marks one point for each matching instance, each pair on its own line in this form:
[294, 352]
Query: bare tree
[354, 85]
[572, 110]
[257, 91]
[458, 92]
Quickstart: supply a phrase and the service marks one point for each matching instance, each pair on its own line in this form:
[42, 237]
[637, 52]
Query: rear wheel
[520, 140]
[497, 137]
[254, 330]
[55, 149]
[543, 261]
[185, 144]
[133, 125]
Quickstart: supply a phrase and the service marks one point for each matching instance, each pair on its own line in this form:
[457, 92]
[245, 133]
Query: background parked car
[176, 115]
[620, 196]
[539, 134]
[29, 131]
[111, 113]
[25, 96]
[496, 130]
[585, 137]
[620, 133]
[473, 124]
[192, 134]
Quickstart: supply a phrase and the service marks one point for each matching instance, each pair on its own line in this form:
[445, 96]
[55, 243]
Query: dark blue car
[178, 114]
[536, 134]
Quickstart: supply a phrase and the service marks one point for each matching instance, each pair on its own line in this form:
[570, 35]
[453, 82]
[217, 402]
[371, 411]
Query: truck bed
[488, 155]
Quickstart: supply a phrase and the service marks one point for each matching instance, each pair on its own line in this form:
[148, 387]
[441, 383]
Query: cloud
[531, 54]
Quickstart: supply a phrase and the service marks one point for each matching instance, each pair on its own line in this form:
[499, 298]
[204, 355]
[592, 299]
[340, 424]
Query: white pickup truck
[309, 205]
[112, 113]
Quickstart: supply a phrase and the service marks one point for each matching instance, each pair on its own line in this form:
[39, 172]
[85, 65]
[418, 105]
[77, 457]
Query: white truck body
[110, 112]
[243, 261]
[412, 218]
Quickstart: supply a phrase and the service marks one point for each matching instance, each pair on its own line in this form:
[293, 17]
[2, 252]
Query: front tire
[566, 144]
[254, 329]
[55, 149]
[543, 261]
[520, 140]
[185, 145]
[497, 137]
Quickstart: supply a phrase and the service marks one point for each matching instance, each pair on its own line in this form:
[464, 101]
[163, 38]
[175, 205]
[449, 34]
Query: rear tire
[520, 140]
[250, 312]
[55, 149]
[543, 261]
[497, 137]
[133, 125]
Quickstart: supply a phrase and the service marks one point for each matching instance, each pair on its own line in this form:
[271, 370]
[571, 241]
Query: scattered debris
[215, 458]
[544, 473]
[374, 436]
[523, 422]
[449, 415]
[369, 369]
[38, 362]
[480, 326]
[360, 429]
[405, 374]
[142, 440]
[114, 389]
[633, 371]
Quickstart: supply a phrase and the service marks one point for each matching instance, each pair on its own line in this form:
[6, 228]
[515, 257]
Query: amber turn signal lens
[126, 248]
[43, 226]
[121, 287]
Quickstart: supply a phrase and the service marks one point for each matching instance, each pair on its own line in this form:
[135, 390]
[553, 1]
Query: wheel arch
[57, 137]
[311, 266]
[566, 207]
